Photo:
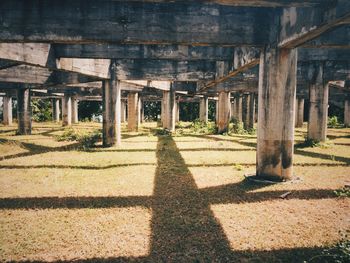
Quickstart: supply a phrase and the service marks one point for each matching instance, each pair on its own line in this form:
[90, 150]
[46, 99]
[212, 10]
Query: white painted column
[67, 110]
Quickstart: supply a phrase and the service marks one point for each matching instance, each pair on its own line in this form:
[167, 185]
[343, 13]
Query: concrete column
[67, 110]
[299, 112]
[123, 111]
[169, 109]
[75, 118]
[24, 111]
[165, 106]
[233, 110]
[111, 98]
[203, 109]
[7, 110]
[224, 108]
[248, 113]
[216, 112]
[141, 117]
[55, 110]
[133, 111]
[238, 111]
[277, 89]
[318, 111]
[177, 107]
[347, 113]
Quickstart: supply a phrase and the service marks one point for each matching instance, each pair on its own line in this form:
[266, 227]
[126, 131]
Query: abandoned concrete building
[259, 60]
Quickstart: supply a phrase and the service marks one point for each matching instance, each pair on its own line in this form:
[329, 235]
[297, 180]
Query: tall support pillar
[7, 110]
[238, 104]
[165, 106]
[75, 118]
[299, 112]
[224, 111]
[142, 110]
[277, 89]
[347, 113]
[55, 110]
[318, 111]
[203, 109]
[67, 110]
[177, 108]
[24, 111]
[133, 111]
[111, 98]
[248, 114]
[169, 107]
[233, 110]
[123, 111]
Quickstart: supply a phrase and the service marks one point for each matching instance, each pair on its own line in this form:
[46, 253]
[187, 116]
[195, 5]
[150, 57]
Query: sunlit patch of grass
[279, 224]
[66, 234]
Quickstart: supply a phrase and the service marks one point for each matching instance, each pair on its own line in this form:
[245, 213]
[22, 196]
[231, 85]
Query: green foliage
[201, 127]
[86, 139]
[339, 253]
[161, 132]
[212, 110]
[237, 128]
[343, 192]
[41, 110]
[313, 143]
[89, 109]
[152, 110]
[238, 167]
[189, 111]
[333, 122]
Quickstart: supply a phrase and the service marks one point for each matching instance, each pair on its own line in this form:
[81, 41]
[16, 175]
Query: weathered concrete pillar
[123, 111]
[75, 118]
[233, 110]
[216, 112]
[169, 104]
[7, 110]
[238, 111]
[299, 112]
[203, 109]
[67, 110]
[277, 89]
[224, 112]
[133, 111]
[248, 113]
[347, 113]
[55, 110]
[111, 98]
[318, 109]
[24, 111]
[177, 111]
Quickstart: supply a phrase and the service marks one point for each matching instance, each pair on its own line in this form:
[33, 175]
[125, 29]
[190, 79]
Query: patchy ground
[165, 199]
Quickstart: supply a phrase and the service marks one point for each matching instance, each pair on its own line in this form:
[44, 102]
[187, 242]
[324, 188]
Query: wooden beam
[299, 25]
[90, 21]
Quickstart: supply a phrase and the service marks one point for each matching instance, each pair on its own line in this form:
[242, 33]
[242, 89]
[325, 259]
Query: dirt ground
[180, 198]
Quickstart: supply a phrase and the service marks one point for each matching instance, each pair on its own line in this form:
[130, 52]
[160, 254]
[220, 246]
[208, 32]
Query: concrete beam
[299, 25]
[132, 22]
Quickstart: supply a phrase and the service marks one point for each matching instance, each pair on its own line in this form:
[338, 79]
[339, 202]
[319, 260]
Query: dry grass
[165, 199]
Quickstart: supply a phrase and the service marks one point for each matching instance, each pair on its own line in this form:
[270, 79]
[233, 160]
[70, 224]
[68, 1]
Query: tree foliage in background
[87, 110]
[189, 111]
[212, 110]
[41, 109]
[151, 110]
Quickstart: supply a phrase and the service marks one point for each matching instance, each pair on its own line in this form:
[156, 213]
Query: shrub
[333, 122]
[343, 192]
[237, 127]
[201, 127]
[85, 139]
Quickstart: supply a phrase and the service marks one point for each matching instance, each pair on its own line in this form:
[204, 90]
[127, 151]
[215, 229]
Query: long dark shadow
[184, 228]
